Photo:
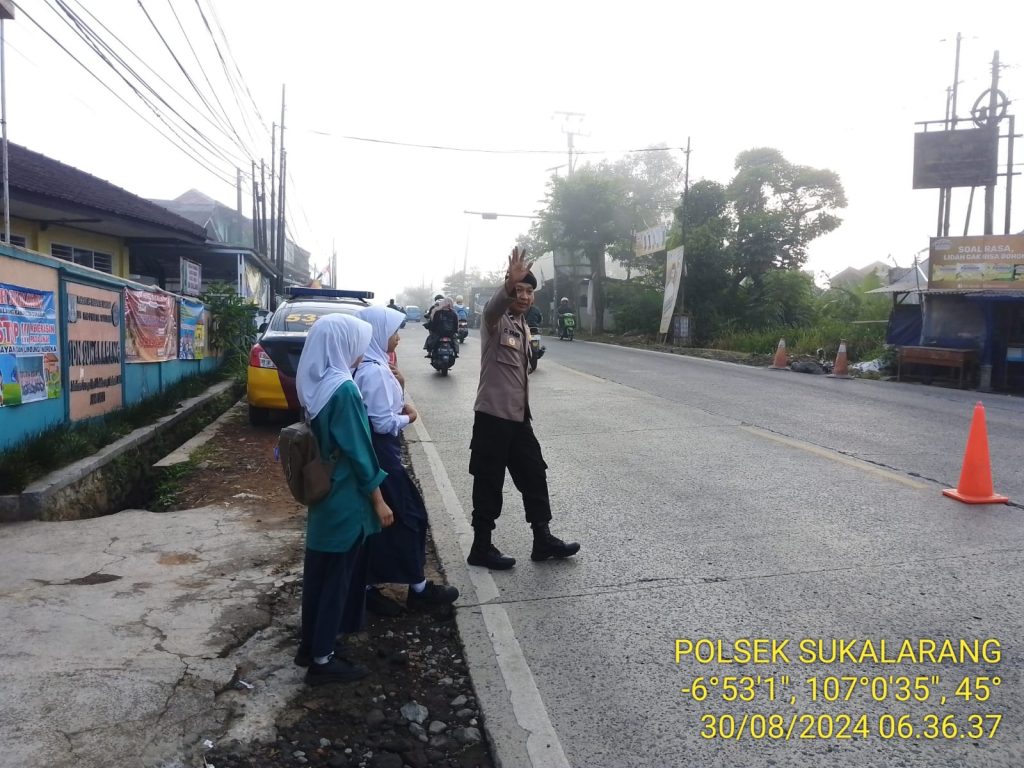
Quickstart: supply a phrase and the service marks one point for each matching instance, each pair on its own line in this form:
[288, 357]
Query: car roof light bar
[336, 293]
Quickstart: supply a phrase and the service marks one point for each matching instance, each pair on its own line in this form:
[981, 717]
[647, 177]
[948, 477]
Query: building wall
[94, 377]
[39, 240]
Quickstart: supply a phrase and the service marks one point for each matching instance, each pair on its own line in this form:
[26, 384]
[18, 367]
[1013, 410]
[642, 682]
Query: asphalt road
[724, 503]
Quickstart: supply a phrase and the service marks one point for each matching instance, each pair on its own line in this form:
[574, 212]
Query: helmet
[565, 299]
[458, 299]
[438, 297]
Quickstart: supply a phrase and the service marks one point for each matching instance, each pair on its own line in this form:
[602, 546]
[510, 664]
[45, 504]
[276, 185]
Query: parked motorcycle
[463, 331]
[536, 348]
[567, 323]
[443, 356]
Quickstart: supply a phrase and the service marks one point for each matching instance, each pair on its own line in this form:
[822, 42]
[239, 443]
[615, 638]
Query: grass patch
[64, 444]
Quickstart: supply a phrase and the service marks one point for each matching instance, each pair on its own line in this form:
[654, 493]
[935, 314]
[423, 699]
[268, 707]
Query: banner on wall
[29, 361]
[151, 326]
[94, 350]
[191, 320]
[202, 332]
[255, 285]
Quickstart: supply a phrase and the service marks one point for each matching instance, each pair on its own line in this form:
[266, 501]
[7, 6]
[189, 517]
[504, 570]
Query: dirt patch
[178, 558]
[414, 659]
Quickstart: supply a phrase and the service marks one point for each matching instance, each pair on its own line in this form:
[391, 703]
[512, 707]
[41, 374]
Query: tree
[779, 208]
[584, 215]
[651, 183]
[704, 227]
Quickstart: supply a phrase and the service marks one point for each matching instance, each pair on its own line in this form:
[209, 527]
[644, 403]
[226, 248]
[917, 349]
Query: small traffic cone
[840, 370]
[976, 476]
[780, 363]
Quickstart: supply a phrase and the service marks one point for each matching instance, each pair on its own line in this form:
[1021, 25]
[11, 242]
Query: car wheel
[258, 417]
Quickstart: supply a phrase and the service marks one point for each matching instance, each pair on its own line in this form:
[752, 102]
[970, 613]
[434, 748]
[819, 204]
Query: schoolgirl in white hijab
[334, 346]
[381, 391]
[398, 554]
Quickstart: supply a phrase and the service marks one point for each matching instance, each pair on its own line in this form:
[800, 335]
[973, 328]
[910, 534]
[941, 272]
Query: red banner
[151, 325]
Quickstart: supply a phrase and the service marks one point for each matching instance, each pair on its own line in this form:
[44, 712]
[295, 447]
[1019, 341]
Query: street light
[490, 215]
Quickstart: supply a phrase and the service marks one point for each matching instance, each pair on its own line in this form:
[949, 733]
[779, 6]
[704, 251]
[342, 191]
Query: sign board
[673, 274]
[151, 326]
[982, 262]
[650, 241]
[191, 277]
[94, 350]
[968, 158]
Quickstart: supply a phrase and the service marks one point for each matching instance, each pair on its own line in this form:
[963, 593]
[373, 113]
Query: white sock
[417, 588]
[323, 659]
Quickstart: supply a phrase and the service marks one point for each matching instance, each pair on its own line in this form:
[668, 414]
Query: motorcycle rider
[564, 308]
[443, 322]
[461, 309]
[534, 317]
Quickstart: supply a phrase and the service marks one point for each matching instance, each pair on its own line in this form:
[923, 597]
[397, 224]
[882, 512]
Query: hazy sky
[830, 86]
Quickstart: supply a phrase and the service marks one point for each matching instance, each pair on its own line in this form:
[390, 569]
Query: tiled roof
[38, 174]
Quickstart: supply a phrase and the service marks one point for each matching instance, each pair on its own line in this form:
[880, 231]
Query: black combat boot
[546, 544]
[486, 555]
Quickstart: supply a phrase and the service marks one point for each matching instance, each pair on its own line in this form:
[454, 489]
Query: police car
[270, 383]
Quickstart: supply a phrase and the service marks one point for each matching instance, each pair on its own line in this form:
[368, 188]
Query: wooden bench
[943, 357]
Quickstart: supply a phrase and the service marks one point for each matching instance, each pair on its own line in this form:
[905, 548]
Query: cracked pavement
[121, 637]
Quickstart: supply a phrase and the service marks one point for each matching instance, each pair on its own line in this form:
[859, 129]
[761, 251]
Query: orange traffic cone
[780, 363]
[976, 476]
[840, 370]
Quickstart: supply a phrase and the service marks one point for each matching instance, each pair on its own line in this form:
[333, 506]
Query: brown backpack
[307, 474]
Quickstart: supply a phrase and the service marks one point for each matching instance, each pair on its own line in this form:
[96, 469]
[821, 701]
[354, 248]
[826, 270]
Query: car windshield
[299, 317]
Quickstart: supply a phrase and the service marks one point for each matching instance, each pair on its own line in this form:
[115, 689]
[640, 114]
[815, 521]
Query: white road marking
[542, 743]
[828, 453]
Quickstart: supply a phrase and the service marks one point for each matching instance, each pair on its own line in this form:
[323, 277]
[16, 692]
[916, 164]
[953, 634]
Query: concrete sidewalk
[123, 638]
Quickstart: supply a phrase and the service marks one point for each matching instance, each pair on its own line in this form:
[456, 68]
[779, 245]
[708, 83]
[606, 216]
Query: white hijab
[332, 347]
[385, 323]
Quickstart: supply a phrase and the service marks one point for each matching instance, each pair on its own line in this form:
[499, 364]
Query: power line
[245, 150]
[94, 41]
[214, 121]
[186, 150]
[177, 61]
[238, 70]
[494, 151]
[227, 74]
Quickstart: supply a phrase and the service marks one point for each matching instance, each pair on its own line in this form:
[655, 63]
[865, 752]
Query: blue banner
[29, 358]
[191, 318]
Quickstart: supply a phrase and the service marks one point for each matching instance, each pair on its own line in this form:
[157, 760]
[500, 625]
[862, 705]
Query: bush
[636, 308]
[863, 341]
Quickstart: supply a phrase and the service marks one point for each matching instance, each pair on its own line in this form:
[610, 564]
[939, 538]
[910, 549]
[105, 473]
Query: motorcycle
[463, 331]
[444, 354]
[536, 348]
[567, 322]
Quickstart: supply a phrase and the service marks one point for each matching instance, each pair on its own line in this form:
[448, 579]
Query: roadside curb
[81, 490]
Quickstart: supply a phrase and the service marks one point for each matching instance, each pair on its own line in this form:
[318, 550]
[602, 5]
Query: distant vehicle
[270, 383]
[413, 313]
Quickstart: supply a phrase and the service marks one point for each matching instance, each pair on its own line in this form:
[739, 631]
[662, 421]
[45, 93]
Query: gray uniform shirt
[504, 340]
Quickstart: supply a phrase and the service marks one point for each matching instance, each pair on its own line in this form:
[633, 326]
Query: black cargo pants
[499, 444]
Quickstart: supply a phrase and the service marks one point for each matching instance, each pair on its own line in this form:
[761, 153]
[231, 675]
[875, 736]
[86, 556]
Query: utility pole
[6, 12]
[255, 211]
[993, 125]
[682, 226]
[570, 134]
[281, 234]
[263, 208]
[273, 202]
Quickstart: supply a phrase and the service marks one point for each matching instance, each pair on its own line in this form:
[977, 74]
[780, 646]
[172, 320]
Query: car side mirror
[262, 328]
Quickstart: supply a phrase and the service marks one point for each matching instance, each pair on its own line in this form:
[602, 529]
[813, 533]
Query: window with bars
[104, 262]
[18, 240]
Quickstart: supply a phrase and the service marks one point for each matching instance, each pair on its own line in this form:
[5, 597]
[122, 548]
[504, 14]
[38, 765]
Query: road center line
[827, 453]
[542, 743]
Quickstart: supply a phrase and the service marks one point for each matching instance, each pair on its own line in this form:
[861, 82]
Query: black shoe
[546, 545]
[490, 557]
[336, 670]
[380, 605]
[432, 594]
[303, 657]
